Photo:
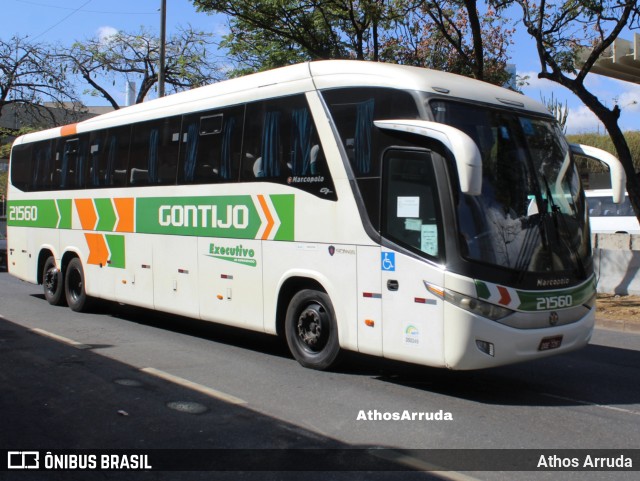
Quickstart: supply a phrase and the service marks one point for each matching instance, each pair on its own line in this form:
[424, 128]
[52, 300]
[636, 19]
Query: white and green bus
[384, 209]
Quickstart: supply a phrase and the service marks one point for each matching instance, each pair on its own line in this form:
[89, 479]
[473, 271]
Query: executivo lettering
[237, 254]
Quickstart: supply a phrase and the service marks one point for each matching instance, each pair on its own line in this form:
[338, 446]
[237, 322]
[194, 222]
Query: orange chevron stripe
[270, 221]
[87, 213]
[125, 210]
[98, 250]
[70, 129]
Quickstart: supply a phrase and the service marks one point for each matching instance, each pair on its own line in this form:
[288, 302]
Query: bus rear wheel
[52, 283]
[311, 330]
[77, 298]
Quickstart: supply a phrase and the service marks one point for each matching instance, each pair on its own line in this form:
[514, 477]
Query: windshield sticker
[408, 207]
[429, 239]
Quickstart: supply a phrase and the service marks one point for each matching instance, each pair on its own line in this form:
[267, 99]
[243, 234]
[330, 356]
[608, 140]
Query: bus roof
[301, 78]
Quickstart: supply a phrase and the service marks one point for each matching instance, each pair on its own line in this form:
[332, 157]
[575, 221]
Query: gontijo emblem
[266, 217]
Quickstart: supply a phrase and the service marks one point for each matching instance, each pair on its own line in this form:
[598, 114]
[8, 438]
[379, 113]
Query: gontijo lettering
[236, 216]
[267, 217]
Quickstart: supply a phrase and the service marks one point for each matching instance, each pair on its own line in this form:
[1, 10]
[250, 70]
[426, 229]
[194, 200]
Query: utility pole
[163, 34]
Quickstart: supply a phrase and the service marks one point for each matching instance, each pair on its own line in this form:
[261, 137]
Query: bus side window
[74, 162]
[281, 145]
[354, 111]
[145, 143]
[411, 209]
[22, 175]
[155, 147]
[263, 141]
[106, 157]
[42, 165]
[210, 147]
[117, 156]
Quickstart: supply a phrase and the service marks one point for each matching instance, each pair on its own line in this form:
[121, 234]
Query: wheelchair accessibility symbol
[388, 261]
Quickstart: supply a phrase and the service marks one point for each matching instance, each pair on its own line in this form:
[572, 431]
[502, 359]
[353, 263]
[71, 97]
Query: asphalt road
[121, 377]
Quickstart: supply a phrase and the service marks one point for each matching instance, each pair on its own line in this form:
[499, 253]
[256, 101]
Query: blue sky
[63, 22]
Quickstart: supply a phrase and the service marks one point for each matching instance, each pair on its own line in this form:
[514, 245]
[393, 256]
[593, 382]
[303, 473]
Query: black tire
[77, 298]
[52, 283]
[311, 330]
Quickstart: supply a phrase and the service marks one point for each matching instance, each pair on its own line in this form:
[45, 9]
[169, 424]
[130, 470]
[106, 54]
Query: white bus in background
[607, 217]
[390, 210]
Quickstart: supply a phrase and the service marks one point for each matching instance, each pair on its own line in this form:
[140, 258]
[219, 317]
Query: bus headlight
[471, 304]
[476, 306]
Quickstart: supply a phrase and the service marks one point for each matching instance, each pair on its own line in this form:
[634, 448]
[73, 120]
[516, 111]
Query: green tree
[282, 32]
[455, 36]
[570, 37]
[134, 57]
[441, 35]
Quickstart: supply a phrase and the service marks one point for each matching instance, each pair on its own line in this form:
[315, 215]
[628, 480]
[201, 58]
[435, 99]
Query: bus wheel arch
[308, 320]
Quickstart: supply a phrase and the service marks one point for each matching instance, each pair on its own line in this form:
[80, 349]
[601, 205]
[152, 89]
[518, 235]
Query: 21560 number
[23, 213]
[554, 302]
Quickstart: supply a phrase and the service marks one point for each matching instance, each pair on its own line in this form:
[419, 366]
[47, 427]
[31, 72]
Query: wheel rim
[313, 328]
[75, 284]
[51, 280]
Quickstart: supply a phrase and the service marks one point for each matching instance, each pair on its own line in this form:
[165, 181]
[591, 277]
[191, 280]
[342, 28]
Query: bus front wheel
[311, 330]
[77, 298]
[52, 283]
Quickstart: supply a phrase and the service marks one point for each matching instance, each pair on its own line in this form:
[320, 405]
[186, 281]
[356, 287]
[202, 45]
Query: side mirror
[465, 151]
[616, 171]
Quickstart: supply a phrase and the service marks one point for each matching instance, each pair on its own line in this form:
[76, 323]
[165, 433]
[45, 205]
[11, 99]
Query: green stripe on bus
[557, 299]
[33, 213]
[64, 208]
[116, 250]
[221, 216]
[285, 208]
[106, 215]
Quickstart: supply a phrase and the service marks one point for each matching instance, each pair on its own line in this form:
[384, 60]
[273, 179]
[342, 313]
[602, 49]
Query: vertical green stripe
[116, 248]
[64, 207]
[106, 215]
[285, 208]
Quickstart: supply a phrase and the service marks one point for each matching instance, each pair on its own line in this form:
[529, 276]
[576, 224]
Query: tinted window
[211, 144]
[155, 148]
[71, 163]
[603, 206]
[354, 110]
[42, 156]
[281, 144]
[411, 209]
[108, 157]
[21, 173]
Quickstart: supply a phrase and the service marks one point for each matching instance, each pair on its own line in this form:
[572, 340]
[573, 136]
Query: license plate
[550, 343]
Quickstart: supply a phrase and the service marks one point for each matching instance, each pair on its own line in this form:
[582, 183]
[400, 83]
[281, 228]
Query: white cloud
[534, 84]
[105, 33]
[581, 120]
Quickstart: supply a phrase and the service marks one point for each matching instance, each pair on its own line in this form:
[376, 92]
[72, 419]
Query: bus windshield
[530, 216]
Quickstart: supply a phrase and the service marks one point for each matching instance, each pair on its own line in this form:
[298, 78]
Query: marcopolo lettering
[234, 216]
